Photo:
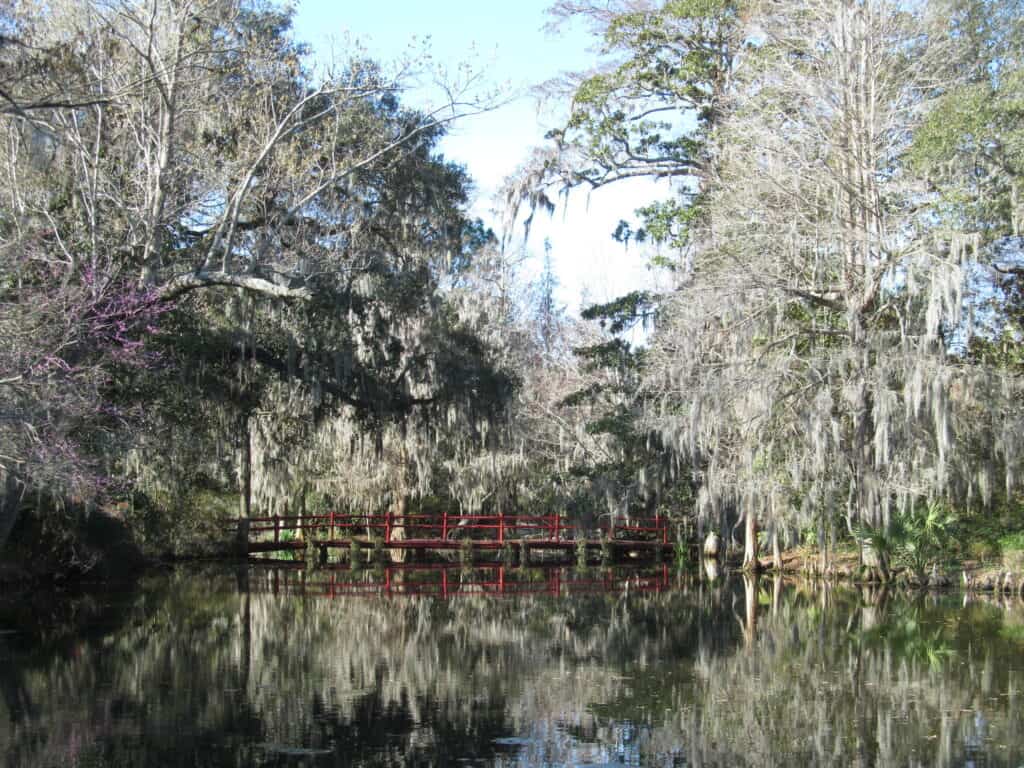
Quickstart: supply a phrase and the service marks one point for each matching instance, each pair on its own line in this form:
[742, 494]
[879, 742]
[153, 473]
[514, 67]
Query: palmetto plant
[922, 535]
[918, 537]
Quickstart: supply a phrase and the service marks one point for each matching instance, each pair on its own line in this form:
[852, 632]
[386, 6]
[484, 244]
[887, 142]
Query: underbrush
[994, 539]
[190, 526]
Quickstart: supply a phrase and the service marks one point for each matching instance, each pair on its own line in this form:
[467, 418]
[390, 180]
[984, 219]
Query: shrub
[923, 535]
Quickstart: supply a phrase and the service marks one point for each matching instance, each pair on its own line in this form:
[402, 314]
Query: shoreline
[968, 576]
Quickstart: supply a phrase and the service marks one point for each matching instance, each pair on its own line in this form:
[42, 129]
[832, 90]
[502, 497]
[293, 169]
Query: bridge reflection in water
[448, 581]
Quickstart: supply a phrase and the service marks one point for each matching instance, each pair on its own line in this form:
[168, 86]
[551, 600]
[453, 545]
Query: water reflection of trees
[192, 664]
[837, 677]
[197, 674]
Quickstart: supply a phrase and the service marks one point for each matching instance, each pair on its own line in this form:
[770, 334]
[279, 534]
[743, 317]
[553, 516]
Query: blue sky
[508, 41]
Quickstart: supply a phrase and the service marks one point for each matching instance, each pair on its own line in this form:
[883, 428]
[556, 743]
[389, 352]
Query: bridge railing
[447, 526]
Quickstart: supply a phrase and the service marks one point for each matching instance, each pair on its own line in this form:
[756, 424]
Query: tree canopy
[224, 268]
[200, 230]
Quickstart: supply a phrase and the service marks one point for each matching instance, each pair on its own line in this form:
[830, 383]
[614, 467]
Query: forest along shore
[236, 283]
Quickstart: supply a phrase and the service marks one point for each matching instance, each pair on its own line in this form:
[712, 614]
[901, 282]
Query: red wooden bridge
[450, 581]
[446, 532]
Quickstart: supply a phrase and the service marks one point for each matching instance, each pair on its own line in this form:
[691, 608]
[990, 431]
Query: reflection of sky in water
[193, 671]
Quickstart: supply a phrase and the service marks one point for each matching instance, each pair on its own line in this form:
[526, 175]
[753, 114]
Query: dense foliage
[840, 350]
[222, 269]
[227, 274]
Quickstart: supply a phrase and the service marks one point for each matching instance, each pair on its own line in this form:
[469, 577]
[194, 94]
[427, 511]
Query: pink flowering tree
[174, 176]
[67, 341]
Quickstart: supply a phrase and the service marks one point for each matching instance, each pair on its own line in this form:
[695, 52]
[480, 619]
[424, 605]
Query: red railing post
[558, 520]
[387, 527]
[501, 527]
[331, 534]
[444, 525]
[277, 528]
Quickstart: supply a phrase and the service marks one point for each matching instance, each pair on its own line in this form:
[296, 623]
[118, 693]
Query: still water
[507, 667]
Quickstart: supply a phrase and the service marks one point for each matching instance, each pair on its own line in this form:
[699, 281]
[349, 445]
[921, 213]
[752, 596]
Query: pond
[279, 666]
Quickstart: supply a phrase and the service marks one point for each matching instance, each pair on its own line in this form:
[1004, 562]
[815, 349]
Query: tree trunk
[866, 495]
[710, 568]
[11, 493]
[245, 500]
[712, 546]
[776, 549]
[750, 550]
[398, 512]
[299, 510]
[160, 172]
[875, 561]
[822, 548]
[242, 538]
[711, 549]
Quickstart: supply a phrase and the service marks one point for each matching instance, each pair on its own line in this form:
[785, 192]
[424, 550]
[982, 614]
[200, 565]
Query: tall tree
[628, 468]
[807, 360]
[645, 112]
